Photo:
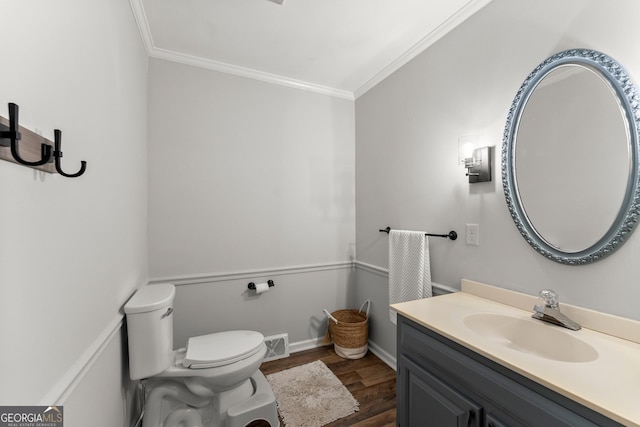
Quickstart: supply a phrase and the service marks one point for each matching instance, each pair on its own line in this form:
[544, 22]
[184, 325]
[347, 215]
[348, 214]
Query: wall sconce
[476, 160]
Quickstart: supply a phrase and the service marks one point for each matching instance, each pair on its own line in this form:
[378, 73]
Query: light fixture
[476, 160]
[466, 145]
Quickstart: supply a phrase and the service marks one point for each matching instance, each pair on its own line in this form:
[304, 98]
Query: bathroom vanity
[477, 358]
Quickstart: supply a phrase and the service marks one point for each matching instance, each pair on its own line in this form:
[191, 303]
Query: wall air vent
[277, 346]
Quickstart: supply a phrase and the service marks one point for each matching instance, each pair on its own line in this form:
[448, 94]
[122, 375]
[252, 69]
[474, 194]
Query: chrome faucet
[549, 311]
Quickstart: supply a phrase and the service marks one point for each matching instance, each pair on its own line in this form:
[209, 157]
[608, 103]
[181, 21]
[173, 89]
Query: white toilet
[213, 382]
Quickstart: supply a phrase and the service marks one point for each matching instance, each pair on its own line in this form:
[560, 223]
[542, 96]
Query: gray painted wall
[407, 129]
[72, 250]
[294, 305]
[250, 180]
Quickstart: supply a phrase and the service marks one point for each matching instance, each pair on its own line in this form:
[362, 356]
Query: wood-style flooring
[370, 380]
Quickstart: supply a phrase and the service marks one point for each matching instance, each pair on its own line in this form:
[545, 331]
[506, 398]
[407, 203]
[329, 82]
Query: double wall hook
[14, 136]
[57, 154]
[11, 133]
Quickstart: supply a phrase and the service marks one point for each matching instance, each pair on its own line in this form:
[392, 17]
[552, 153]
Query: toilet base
[171, 404]
[260, 406]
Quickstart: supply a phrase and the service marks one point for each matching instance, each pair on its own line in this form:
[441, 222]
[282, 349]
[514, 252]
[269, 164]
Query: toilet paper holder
[252, 285]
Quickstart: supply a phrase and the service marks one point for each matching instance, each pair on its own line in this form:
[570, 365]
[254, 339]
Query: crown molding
[235, 70]
[459, 17]
[140, 15]
[456, 19]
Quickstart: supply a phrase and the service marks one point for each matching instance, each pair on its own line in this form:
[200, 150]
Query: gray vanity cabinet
[428, 398]
[443, 384]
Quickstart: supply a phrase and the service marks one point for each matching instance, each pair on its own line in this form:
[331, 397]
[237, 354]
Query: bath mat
[311, 396]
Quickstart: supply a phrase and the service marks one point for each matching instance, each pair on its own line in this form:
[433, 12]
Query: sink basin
[531, 336]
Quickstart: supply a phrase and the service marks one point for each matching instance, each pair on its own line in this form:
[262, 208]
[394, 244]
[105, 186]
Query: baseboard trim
[383, 355]
[250, 274]
[65, 386]
[321, 342]
[308, 344]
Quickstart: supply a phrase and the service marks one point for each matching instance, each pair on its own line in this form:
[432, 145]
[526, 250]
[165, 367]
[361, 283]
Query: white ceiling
[336, 47]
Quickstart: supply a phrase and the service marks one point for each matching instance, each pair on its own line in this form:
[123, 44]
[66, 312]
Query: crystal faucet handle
[549, 298]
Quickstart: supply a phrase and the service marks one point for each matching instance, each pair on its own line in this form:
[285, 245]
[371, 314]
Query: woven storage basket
[349, 330]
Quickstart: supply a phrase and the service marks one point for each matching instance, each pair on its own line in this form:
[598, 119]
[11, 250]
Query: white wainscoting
[250, 274]
[74, 375]
[220, 301]
[96, 390]
[64, 389]
[438, 288]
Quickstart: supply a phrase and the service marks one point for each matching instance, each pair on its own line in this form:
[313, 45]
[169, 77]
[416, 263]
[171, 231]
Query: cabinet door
[504, 396]
[492, 421]
[426, 401]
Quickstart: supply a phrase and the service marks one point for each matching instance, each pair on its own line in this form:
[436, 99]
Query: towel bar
[452, 234]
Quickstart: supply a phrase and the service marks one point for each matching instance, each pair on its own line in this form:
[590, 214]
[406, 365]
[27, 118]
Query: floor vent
[277, 347]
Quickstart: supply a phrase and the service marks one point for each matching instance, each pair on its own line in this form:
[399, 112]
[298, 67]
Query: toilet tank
[150, 330]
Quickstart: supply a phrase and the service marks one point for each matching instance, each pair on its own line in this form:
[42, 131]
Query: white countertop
[610, 384]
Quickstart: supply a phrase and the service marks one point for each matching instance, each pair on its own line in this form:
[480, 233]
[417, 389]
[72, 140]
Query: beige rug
[311, 396]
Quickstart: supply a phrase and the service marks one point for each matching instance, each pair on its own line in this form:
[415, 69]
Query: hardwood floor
[370, 380]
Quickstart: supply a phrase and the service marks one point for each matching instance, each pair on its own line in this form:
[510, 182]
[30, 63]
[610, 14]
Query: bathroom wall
[249, 181]
[407, 129]
[72, 250]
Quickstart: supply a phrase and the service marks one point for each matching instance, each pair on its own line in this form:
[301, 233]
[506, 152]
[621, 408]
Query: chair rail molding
[192, 279]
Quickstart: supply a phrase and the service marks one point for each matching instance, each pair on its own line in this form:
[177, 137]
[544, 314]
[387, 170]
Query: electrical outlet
[473, 234]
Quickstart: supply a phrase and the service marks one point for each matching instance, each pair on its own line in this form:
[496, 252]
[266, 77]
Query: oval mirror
[570, 157]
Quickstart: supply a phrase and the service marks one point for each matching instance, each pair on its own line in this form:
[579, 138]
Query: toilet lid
[222, 348]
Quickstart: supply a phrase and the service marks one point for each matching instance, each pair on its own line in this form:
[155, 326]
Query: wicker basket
[349, 330]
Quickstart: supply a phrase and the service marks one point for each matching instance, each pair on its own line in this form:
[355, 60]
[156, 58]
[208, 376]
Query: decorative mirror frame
[626, 219]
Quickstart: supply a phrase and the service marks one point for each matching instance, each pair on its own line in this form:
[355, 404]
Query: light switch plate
[473, 234]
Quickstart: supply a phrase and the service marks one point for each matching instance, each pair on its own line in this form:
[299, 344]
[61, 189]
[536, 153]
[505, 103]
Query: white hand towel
[409, 268]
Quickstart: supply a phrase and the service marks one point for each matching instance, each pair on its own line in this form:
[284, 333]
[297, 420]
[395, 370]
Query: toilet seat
[221, 348]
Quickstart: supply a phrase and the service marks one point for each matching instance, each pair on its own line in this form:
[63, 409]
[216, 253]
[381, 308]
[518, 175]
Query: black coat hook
[57, 154]
[13, 134]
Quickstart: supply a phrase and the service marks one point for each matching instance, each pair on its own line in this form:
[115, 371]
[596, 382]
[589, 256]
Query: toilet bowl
[213, 381]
